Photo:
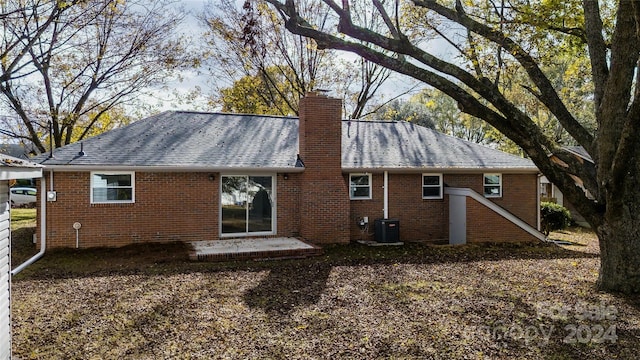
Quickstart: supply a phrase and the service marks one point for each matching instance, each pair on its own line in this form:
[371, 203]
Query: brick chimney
[324, 200]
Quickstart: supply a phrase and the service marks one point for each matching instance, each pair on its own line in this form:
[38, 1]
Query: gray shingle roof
[15, 150]
[404, 145]
[213, 141]
[190, 139]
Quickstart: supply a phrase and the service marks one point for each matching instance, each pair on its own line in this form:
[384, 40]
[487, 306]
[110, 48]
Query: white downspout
[43, 229]
[386, 195]
[538, 198]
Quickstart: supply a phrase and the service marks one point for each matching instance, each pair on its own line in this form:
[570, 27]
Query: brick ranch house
[189, 176]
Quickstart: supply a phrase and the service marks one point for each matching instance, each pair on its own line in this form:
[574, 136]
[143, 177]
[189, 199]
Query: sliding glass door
[247, 205]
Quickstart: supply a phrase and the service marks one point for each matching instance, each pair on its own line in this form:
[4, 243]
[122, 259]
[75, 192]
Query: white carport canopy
[10, 169]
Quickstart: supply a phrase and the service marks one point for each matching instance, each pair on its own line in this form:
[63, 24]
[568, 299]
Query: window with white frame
[493, 185]
[359, 186]
[112, 187]
[432, 186]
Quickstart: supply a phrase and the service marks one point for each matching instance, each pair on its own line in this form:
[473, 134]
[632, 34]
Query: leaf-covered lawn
[355, 302]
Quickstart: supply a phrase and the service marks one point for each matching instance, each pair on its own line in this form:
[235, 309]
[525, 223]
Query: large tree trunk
[619, 235]
[620, 256]
[614, 176]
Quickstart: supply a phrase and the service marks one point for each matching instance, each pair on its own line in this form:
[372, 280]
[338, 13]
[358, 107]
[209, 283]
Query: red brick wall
[485, 225]
[373, 208]
[518, 192]
[324, 200]
[185, 207]
[288, 203]
[428, 219]
[168, 207]
[519, 196]
[420, 219]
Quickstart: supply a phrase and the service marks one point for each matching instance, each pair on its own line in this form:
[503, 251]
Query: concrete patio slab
[375, 243]
[253, 248]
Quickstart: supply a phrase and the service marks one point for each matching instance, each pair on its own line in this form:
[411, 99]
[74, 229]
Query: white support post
[386, 195]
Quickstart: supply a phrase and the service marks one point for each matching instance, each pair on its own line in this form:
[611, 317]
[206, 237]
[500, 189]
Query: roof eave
[589, 159]
[7, 173]
[169, 168]
[16, 168]
[448, 170]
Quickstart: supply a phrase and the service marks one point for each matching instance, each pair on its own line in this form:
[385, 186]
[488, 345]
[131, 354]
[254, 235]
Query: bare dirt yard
[355, 302]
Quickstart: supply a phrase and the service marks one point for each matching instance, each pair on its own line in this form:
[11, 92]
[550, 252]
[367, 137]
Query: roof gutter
[449, 170]
[176, 168]
[296, 169]
[43, 231]
[21, 173]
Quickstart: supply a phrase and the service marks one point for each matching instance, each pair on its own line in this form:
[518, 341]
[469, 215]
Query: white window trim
[133, 187]
[440, 186]
[499, 185]
[351, 197]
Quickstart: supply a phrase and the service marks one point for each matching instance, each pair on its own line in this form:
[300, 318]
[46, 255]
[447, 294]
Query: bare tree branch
[548, 94]
[510, 120]
[95, 55]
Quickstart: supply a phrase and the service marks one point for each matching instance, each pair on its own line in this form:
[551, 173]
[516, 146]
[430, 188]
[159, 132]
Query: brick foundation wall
[485, 225]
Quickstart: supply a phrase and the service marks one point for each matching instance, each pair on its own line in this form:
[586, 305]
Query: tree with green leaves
[406, 110]
[257, 95]
[67, 65]
[518, 37]
[450, 120]
[433, 109]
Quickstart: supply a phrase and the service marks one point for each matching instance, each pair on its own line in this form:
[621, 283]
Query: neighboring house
[21, 152]
[10, 169]
[550, 192]
[14, 150]
[187, 176]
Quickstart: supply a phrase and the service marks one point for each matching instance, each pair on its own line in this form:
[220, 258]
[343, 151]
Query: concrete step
[253, 248]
